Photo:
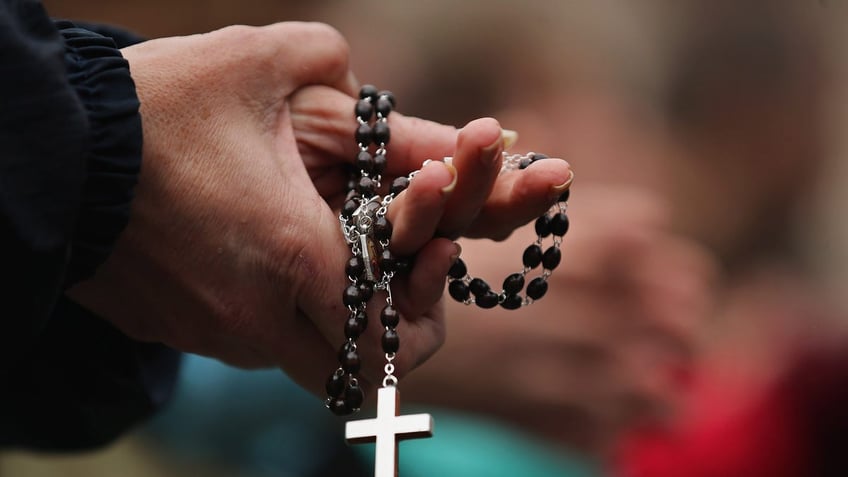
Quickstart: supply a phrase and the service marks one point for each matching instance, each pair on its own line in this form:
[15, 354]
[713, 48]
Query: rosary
[372, 266]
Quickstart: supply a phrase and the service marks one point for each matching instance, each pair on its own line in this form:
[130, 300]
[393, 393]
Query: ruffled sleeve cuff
[101, 77]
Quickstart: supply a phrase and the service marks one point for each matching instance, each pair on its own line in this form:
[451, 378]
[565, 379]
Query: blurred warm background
[710, 241]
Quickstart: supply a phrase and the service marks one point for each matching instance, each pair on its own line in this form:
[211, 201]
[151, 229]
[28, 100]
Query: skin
[233, 249]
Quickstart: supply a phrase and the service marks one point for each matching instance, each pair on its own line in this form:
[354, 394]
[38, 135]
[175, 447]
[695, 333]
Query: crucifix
[387, 429]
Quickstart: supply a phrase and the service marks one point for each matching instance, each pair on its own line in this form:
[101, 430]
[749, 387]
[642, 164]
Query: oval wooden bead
[388, 95]
[532, 256]
[399, 185]
[389, 317]
[368, 91]
[366, 289]
[381, 133]
[355, 267]
[383, 106]
[559, 224]
[382, 229]
[487, 300]
[352, 296]
[363, 135]
[379, 163]
[552, 257]
[513, 284]
[458, 269]
[458, 290]
[390, 341]
[350, 362]
[335, 385]
[388, 262]
[365, 162]
[362, 318]
[365, 186]
[363, 110]
[354, 396]
[543, 226]
[352, 328]
[565, 195]
[349, 208]
[537, 288]
[478, 287]
[512, 302]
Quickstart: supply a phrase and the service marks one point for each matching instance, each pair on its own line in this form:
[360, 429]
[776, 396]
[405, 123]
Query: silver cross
[387, 429]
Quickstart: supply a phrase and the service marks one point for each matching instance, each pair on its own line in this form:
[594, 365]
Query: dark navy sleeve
[70, 154]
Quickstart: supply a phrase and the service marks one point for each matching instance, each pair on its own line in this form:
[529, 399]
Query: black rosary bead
[559, 224]
[382, 229]
[552, 257]
[532, 256]
[349, 208]
[513, 284]
[379, 163]
[458, 290]
[352, 296]
[512, 302]
[365, 161]
[384, 106]
[339, 407]
[478, 287]
[389, 317]
[335, 385]
[354, 396]
[390, 341]
[543, 226]
[388, 262]
[363, 134]
[565, 195]
[458, 269]
[353, 328]
[399, 185]
[381, 133]
[366, 289]
[365, 186]
[355, 267]
[364, 110]
[350, 362]
[524, 162]
[361, 317]
[388, 95]
[537, 288]
[487, 300]
[368, 91]
[537, 157]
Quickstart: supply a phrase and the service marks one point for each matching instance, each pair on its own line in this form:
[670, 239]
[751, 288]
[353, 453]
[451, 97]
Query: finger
[520, 196]
[324, 123]
[477, 161]
[416, 212]
[305, 53]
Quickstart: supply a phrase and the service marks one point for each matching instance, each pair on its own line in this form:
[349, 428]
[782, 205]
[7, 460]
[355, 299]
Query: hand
[233, 248]
[603, 350]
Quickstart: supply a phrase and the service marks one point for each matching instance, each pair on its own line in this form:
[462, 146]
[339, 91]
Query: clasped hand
[233, 249]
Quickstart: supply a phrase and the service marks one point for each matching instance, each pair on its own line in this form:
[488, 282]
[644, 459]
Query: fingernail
[449, 188]
[509, 137]
[559, 189]
[457, 253]
[499, 142]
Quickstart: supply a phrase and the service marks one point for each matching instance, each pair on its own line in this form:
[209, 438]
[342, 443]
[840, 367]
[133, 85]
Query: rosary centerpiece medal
[372, 266]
